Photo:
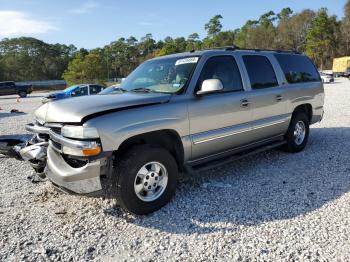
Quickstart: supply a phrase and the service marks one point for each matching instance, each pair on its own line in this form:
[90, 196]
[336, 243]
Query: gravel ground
[271, 206]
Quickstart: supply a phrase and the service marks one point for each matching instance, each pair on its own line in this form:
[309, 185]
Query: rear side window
[260, 71]
[94, 89]
[225, 69]
[297, 68]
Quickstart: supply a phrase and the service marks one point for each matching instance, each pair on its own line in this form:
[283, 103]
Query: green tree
[27, 58]
[258, 34]
[321, 40]
[292, 31]
[214, 26]
[285, 13]
[345, 30]
[193, 42]
[87, 69]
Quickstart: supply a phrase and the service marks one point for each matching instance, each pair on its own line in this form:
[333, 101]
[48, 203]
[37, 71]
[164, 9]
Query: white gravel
[273, 206]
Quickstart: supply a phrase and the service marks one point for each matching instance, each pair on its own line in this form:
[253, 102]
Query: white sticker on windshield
[188, 60]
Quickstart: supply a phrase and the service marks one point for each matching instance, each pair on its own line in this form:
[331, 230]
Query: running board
[229, 159]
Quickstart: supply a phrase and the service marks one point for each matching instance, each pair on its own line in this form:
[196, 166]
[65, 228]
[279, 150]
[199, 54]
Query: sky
[95, 23]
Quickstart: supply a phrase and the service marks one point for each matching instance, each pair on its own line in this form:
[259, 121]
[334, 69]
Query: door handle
[245, 103]
[279, 98]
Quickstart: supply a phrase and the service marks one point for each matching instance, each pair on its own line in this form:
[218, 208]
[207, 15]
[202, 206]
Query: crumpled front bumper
[80, 180]
[83, 179]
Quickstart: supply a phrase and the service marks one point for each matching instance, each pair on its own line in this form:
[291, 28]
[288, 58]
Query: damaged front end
[71, 164]
[32, 150]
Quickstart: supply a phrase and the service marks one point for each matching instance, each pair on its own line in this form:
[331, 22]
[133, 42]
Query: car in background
[326, 78]
[74, 91]
[10, 88]
[111, 90]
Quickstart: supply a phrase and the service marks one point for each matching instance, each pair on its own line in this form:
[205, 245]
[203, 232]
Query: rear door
[268, 96]
[219, 121]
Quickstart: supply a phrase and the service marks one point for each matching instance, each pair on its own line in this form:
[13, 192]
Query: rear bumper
[80, 180]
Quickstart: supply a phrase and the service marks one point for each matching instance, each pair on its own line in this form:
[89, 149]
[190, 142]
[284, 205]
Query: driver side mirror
[210, 86]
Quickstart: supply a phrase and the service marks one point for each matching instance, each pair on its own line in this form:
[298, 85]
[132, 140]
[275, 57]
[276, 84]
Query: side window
[297, 68]
[95, 89]
[80, 91]
[260, 71]
[224, 68]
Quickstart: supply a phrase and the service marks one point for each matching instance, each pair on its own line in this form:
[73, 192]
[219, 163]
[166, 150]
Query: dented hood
[74, 110]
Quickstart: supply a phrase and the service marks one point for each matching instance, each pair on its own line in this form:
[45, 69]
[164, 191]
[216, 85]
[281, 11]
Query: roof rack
[234, 48]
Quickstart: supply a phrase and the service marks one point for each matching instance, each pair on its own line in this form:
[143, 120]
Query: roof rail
[234, 48]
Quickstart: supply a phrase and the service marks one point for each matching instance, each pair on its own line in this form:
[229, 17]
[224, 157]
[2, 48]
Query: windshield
[168, 75]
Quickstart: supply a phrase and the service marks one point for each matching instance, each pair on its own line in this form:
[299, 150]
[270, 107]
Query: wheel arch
[305, 108]
[166, 138]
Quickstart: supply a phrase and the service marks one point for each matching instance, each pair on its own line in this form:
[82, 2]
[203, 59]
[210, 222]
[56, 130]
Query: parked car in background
[326, 78]
[74, 91]
[179, 113]
[10, 88]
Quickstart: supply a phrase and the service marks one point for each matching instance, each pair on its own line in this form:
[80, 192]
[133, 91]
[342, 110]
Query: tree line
[316, 33]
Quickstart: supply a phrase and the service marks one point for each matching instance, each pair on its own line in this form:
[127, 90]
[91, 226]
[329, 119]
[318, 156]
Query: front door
[221, 120]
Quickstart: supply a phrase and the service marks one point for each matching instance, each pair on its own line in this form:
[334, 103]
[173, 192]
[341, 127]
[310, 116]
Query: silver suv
[176, 114]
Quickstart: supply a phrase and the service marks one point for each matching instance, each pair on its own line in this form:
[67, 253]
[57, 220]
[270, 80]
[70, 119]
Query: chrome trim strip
[241, 131]
[269, 124]
[37, 129]
[222, 136]
[235, 149]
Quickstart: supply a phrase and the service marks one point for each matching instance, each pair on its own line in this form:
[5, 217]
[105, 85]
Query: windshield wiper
[120, 89]
[142, 89]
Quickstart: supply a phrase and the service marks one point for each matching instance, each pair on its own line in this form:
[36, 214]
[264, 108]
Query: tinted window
[80, 91]
[7, 84]
[297, 68]
[223, 68]
[260, 71]
[94, 89]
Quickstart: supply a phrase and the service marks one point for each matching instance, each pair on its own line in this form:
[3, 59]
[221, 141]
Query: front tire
[23, 94]
[298, 133]
[146, 179]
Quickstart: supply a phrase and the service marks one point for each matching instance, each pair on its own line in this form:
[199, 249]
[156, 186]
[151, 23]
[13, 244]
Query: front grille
[57, 130]
[75, 163]
[56, 145]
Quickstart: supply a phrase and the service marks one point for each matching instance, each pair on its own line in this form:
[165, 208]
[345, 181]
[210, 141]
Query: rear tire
[146, 179]
[22, 94]
[298, 133]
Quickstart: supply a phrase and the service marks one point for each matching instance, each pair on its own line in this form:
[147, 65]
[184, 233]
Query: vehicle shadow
[8, 114]
[15, 97]
[263, 188]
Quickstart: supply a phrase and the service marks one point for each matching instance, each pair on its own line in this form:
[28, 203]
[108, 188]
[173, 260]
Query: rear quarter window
[297, 68]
